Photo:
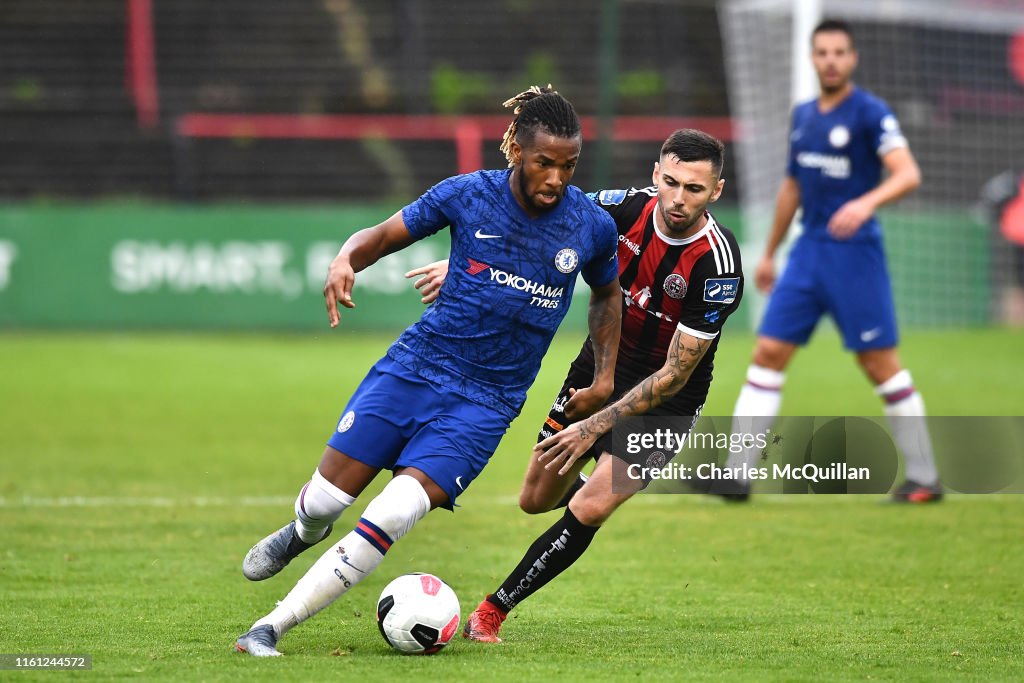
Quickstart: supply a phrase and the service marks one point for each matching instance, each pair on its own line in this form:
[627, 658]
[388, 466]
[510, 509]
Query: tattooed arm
[684, 353]
[605, 322]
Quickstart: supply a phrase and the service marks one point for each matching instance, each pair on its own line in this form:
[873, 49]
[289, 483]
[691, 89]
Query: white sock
[317, 506]
[904, 408]
[756, 408]
[388, 517]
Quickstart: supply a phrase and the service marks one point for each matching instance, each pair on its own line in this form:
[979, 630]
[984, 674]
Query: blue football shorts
[848, 281]
[397, 419]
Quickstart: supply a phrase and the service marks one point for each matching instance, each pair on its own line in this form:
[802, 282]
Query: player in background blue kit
[435, 407]
[839, 143]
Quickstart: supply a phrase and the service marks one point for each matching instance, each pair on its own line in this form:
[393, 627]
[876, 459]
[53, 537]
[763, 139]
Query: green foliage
[183, 450]
[26, 90]
[457, 91]
[453, 90]
[541, 69]
[641, 83]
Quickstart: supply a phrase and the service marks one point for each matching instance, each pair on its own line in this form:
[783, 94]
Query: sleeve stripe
[891, 142]
[696, 333]
[714, 250]
[726, 248]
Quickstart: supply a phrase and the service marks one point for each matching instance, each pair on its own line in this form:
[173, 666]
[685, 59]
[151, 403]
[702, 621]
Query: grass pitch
[137, 469]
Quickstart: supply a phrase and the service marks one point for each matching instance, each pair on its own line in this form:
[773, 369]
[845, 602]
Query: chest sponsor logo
[830, 165]
[544, 296]
[675, 286]
[642, 297]
[566, 260]
[721, 290]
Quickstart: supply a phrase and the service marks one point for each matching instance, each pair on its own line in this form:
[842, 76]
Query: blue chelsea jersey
[510, 281]
[837, 156]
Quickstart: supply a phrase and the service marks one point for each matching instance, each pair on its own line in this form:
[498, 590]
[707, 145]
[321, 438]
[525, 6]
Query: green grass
[186, 449]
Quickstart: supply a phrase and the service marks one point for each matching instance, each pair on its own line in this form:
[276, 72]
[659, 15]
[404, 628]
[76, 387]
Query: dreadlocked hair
[535, 108]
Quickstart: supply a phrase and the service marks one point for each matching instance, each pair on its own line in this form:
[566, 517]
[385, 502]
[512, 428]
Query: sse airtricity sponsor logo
[544, 296]
[721, 290]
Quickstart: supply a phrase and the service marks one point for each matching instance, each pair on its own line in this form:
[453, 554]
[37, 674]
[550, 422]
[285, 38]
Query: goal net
[953, 71]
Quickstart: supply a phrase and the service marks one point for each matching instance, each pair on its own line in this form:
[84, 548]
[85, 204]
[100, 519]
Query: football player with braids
[520, 237]
[681, 278]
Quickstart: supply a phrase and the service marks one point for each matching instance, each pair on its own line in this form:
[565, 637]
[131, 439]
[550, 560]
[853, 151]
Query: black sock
[573, 488]
[552, 553]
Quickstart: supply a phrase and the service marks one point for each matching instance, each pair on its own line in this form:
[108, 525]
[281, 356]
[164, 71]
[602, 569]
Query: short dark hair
[833, 26]
[536, 108]
[689, 144]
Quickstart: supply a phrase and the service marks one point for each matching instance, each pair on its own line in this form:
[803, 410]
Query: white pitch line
[7, 502]
[142, 501]
[790, 499]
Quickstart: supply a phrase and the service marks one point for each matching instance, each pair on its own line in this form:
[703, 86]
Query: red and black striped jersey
[692, 284]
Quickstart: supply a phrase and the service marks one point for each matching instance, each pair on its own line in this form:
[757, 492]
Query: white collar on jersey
[676, 241]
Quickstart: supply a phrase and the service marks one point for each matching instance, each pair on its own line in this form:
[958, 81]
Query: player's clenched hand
[764, 274]
[848, 219]
[340, 278]
[585, 402]
[565, 447]
[433, 277]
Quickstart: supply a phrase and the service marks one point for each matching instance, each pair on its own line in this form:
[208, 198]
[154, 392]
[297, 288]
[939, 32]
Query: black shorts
[581, 376]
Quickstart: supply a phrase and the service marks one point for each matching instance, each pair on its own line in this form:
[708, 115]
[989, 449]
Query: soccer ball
[418, 614]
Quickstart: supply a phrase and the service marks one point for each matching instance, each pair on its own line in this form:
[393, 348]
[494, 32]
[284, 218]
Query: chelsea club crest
[839, 136]
[566, 260]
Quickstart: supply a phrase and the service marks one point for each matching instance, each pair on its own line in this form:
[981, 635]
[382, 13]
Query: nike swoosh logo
[345, 560]
[483, 236]
[871, 335]
[458, 482]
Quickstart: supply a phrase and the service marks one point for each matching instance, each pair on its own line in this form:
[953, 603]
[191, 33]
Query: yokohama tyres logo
[503, 277]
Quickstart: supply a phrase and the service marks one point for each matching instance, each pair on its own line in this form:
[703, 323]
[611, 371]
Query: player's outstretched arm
[360, 251]
[904, 177]
[433, 277]
[565, 447]
[604, 319]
